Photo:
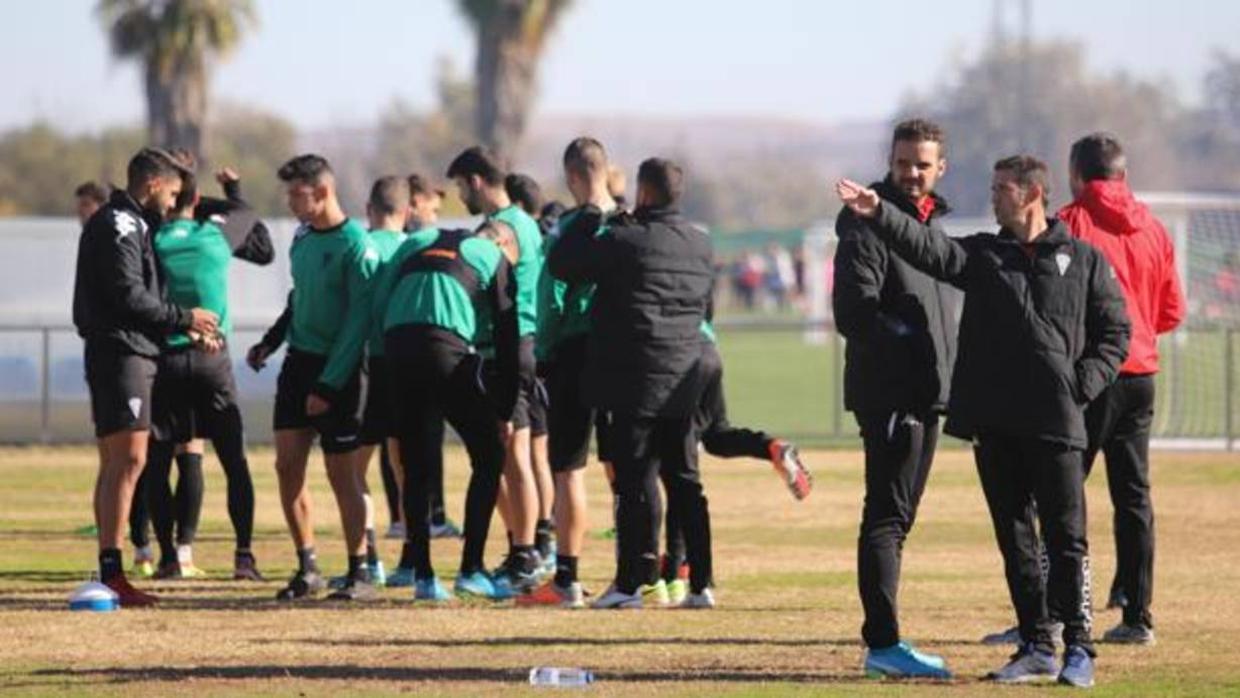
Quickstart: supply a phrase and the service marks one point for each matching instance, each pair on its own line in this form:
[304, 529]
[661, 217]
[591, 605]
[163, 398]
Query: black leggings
[184, 508]
[436, 378]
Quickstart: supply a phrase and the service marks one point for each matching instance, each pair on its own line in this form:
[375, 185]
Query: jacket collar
[1056, 234]
[659, 214]
[889, 192]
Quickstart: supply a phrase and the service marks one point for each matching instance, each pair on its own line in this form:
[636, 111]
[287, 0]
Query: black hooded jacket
[653, 274]
[1043, 332]
[899, 323]
[117, 295]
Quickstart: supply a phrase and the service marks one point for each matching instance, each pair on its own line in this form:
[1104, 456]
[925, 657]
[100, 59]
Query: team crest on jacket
[125, 223]
[1062, 261]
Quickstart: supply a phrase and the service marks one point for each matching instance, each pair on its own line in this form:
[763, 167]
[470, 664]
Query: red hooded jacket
[1106, 215]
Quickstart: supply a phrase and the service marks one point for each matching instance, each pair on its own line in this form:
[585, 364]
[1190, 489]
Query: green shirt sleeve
[346, 351]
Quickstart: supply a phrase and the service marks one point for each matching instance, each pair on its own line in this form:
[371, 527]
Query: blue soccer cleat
[430, 590]
[902, 661]
[1078, 668]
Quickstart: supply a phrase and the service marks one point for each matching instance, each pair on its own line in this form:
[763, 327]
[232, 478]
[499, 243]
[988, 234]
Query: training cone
[93, 596]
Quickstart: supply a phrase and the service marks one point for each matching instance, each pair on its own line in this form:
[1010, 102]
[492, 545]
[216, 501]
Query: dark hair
[524, 190]
[1028, 171]
[478, 161]
[549, 216]
[664, 178]
[307, 169]
[388, 195]
[91, 190]
[1098, 156]
[585, 157]
[919, 130]
[150, 163]
[189, 178]
[421, 184]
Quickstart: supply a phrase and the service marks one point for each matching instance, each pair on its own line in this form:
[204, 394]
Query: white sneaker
[395, 531]
[702, 601]
[614, 598]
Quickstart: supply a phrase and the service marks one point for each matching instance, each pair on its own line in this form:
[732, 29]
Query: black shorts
[570, 419]
[340, 427]
[539, 403]
[530, 410]
[377, 421]
[120, 385]
[195, 394]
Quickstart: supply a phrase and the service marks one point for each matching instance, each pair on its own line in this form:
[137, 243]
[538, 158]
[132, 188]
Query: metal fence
[784, 377]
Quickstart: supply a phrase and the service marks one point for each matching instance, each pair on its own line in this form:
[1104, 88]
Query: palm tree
[175, 41]
[511, 38]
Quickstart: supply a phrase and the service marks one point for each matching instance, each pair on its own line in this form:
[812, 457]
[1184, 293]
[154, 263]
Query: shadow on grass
[351, 672]
[557, 640]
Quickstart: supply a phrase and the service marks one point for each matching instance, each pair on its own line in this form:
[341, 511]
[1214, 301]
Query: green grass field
[787, 623]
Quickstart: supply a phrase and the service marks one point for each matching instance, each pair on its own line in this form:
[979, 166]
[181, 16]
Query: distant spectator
[780, 276]
[615, 185]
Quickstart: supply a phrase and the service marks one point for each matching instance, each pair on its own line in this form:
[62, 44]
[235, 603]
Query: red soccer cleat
[788, 466]
[127, 596]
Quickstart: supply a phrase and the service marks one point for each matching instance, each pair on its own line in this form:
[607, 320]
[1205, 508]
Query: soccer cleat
[677, 591]
[654, 594]
[144, 568]
[701, 602]
[474, 585]
[615, 599]
[902, 661]
[447, 529]
[127, 596]
[1028, 665]
[180, 570]
[355, 590]
[245, 568]
[303, 584]
[1125, 634]
[400, 577]
[551, 594]
[788, 465]
[378, 575]
[1078, 668]
[338, 582]
[1011, 636]
[395, 531]
[430, 590]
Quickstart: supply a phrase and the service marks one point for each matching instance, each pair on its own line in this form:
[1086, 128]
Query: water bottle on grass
[560, 676]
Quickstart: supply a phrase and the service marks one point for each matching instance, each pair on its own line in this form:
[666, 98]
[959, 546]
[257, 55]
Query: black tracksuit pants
[643, 450]
[719, 438]
[1015, 472]
[1119, 426]
[899, 448]
[435, 377]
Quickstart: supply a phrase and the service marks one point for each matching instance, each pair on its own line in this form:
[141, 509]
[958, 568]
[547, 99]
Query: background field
[788, 620]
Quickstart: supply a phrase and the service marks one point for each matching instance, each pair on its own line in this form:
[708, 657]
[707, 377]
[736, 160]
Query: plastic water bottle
[560, 676]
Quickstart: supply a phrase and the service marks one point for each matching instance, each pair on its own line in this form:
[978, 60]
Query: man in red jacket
[1105, 214]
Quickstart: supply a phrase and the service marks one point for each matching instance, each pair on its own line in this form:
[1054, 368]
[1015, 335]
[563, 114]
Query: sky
[323, 63]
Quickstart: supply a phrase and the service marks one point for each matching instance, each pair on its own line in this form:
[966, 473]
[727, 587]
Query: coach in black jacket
[653, 277]
[120, 312]
[1043, 332]
[901, 331]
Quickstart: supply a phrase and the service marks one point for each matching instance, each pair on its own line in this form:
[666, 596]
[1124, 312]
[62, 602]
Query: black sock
[542, 537]
[372, 555]
[358, 570]
[406, 556]
[110, 564]
[307, 561]
[188, 496]
[565, 570]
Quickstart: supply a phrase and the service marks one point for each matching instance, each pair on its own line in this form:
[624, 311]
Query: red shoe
[791, 470]
[127, 596]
